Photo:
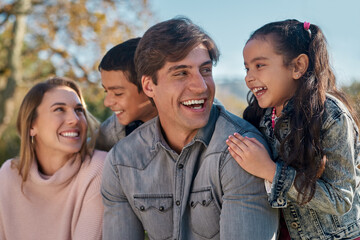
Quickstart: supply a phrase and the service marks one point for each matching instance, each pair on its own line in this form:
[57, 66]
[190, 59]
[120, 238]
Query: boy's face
[123, 98]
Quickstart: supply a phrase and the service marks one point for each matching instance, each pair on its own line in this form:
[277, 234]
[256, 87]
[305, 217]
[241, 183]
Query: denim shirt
[110, 132]
[201, 193]
[333, 212]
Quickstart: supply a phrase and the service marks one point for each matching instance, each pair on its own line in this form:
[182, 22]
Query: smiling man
[173, 176]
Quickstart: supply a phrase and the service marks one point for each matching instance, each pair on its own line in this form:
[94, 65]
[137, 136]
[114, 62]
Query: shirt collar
[203, 135]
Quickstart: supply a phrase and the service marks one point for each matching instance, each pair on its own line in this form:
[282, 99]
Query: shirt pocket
[156, 213]
[204, 214]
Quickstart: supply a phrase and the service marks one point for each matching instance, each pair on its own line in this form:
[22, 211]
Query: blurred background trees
[43, 38]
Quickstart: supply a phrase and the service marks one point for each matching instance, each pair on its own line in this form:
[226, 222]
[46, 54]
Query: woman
[52, 191]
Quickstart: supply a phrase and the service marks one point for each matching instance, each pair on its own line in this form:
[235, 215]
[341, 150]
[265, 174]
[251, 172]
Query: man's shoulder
[229, 123]
[137, 149]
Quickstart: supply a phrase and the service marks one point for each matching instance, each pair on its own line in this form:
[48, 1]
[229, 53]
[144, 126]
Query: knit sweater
[66, 205]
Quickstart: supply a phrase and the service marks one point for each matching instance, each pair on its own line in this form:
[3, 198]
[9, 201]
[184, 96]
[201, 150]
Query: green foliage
[9, 145]
[353, 92]
[95, 104]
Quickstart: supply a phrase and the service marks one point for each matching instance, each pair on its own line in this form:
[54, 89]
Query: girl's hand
[252, 156]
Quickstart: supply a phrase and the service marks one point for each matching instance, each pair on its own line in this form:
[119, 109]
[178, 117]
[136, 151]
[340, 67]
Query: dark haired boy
[124, 96]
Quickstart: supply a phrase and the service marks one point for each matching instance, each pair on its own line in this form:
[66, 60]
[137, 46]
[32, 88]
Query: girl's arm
[335, 189]
[252, 156]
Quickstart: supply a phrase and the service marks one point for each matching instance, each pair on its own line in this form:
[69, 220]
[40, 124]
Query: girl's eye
[259, 65]
[246, 69]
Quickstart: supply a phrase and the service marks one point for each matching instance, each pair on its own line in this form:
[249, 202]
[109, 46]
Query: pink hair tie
[306, 25]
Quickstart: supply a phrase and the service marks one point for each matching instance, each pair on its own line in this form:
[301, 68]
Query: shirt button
[180, 166]
[178, 203]
[142, 208]
[161, 208]
[294, 225]
[203, 202]
[280, 201]
[192, 203]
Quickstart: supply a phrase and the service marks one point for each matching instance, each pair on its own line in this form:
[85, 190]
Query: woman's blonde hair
[28, 113]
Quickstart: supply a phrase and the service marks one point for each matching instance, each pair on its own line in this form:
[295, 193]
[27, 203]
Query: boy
[124, 96]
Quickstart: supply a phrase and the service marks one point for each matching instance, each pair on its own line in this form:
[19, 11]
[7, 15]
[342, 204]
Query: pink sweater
[66, 205]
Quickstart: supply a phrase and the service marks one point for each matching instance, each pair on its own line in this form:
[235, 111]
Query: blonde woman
[52, 190]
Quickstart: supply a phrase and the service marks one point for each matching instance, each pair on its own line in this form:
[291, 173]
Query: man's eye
[246, 69]
[118, 94]
[259, 65]
[206, 70]
[182, 73]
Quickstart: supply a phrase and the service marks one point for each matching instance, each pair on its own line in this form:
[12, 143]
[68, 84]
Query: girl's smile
[267, 77]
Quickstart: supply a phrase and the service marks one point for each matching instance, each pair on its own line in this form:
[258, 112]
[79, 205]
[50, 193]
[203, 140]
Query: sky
[230, 23]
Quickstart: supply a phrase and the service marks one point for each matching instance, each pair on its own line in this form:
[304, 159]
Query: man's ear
[147, 86]
[301, 64]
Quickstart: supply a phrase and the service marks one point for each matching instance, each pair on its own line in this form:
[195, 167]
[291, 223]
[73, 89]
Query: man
[124, 96]
[174, 177]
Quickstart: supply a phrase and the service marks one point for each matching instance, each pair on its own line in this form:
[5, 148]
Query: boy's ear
[147, 86]
[301, 64]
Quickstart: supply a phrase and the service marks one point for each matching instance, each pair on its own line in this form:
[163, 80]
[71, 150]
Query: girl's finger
[234, 145]
[237, 157]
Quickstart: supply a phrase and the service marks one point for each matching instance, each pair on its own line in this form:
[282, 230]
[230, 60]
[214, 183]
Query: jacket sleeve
[120, 222]
[246, 213]
[336, 188]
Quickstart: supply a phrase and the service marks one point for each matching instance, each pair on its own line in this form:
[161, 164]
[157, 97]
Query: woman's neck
[49, 164]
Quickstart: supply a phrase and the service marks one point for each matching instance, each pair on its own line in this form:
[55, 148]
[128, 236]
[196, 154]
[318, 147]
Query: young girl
[310, 127]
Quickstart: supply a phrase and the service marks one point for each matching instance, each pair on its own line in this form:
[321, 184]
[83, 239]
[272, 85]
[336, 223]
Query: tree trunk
[15, 65]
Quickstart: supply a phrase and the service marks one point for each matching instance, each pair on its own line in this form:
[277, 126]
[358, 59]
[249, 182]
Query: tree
[41, 38]
[353, 91]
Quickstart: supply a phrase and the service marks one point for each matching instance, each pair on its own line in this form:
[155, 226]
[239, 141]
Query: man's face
[184, 93]
[123, 98]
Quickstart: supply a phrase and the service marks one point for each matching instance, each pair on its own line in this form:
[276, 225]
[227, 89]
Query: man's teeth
[255, 90]
[70, 134]
[118, 112]
[193, 102]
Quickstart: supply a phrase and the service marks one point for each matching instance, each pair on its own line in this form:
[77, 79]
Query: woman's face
[60, 126]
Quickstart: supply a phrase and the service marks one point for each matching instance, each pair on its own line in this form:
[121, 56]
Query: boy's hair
[170, 41]
[121, 58]
[290, 39]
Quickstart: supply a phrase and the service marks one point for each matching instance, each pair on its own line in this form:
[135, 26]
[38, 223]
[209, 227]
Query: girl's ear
[147, 86]
[301, 64]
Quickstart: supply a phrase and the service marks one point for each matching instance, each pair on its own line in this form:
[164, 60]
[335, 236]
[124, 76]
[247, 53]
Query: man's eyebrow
[176, 67]
[112, 87]
[257, 59]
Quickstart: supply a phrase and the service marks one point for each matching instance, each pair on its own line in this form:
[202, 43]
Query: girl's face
[267, 77]
[60, 126]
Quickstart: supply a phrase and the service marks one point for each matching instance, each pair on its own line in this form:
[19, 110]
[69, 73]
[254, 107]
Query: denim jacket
[201, 193]
[334, 211]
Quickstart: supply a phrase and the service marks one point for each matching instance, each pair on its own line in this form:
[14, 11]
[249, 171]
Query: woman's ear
[32, 131]
[147, 86]
[301, 64]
